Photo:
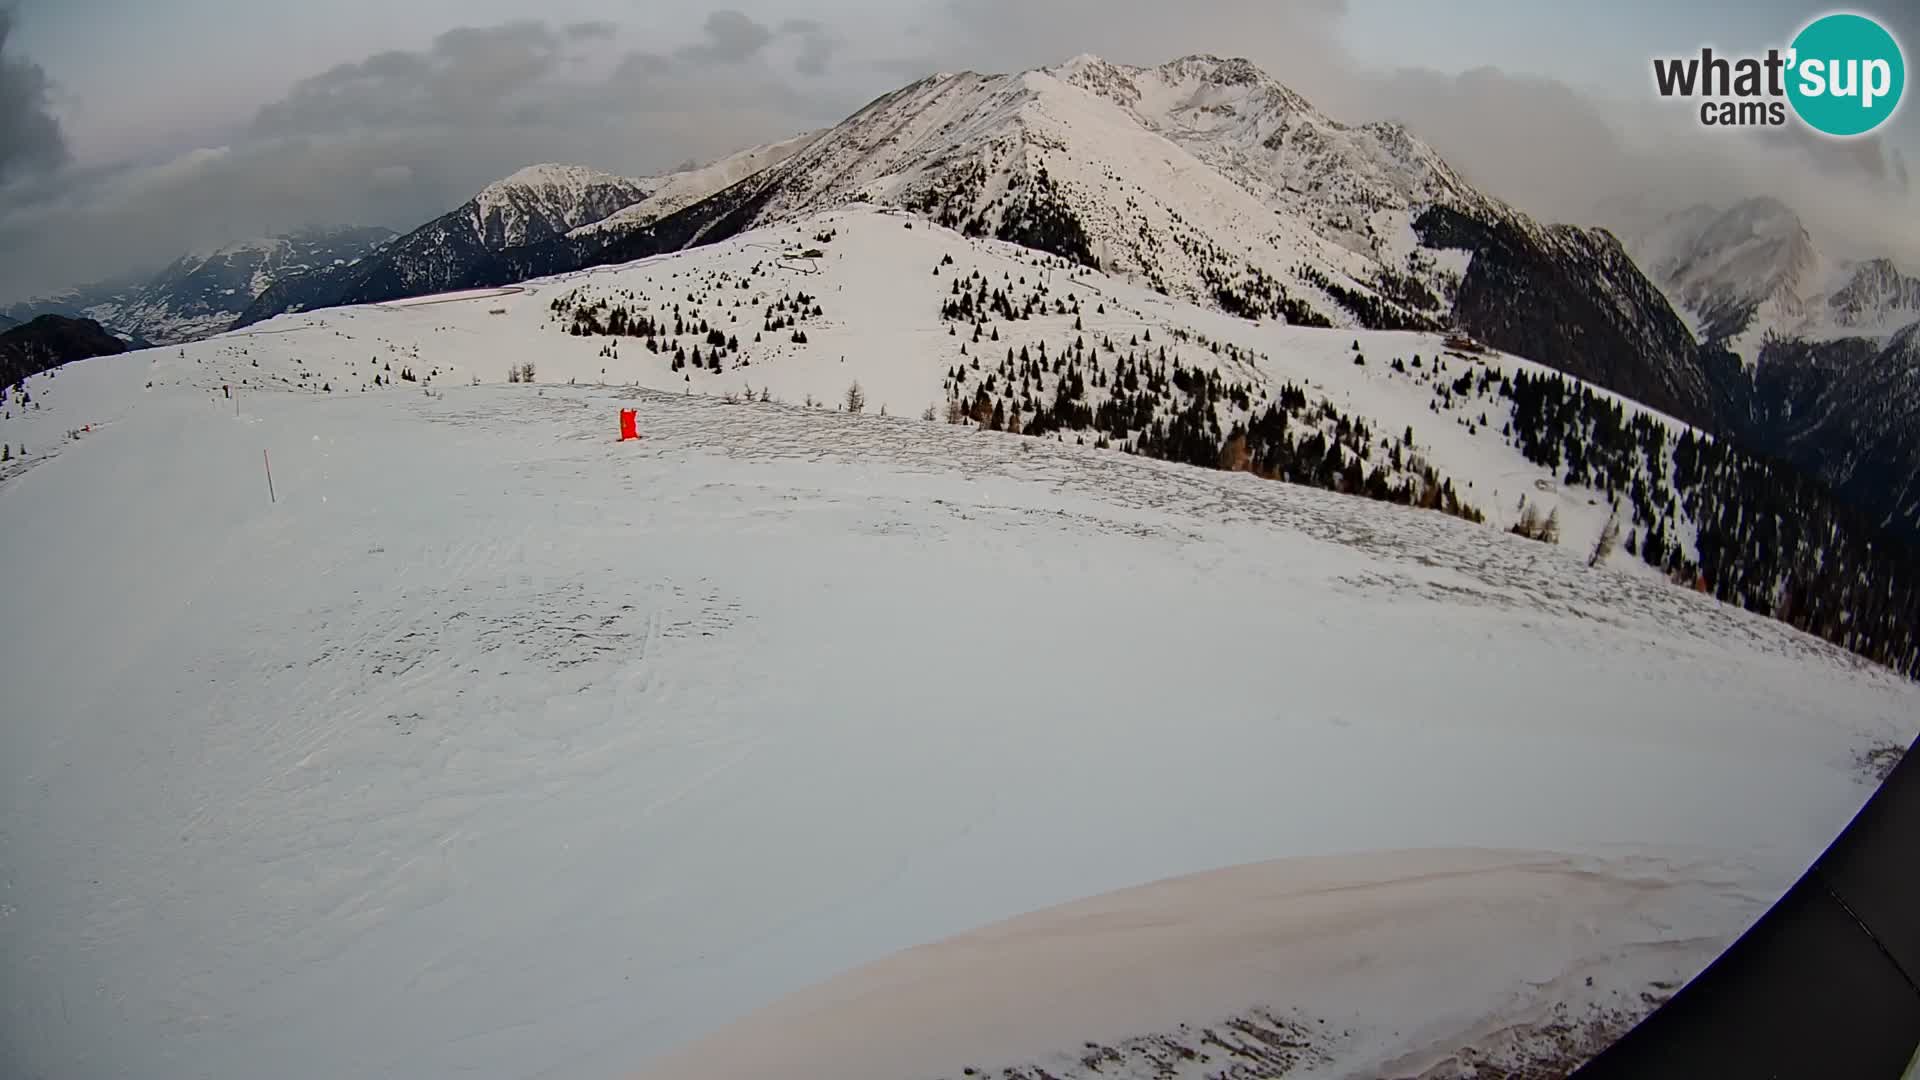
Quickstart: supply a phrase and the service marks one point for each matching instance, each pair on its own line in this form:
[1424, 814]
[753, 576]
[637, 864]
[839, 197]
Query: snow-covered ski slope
[496, 747]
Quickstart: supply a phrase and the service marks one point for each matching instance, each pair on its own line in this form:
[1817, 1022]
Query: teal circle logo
[1846, 75]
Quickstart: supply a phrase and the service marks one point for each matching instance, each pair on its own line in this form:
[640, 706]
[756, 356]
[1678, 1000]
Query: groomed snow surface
[494, 747]
[1413, 963]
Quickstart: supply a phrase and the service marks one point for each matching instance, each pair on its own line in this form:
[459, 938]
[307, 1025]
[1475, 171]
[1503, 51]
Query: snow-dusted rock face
[1876, 295]
[202, 293]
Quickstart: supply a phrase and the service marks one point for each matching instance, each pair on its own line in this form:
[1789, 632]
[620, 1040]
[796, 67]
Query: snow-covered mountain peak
[1751, 272]
[1094, 73]
[1090, 72]
[1229, 71]
[550, 179]
[1192, 88]
[1742, 272]
[1084, 62]
[543, 201]
[1267, 138]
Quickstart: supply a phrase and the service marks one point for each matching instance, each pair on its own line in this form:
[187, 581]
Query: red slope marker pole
[269, 463]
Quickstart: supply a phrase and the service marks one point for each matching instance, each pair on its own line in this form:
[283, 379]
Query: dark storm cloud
[30, 137]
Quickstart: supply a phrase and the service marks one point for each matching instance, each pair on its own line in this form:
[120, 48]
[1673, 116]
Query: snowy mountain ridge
[543, 201]
[1751, 273]
[539, 204]
[1877, 298]
[201, 294]
[683, 188]
[1271, 140]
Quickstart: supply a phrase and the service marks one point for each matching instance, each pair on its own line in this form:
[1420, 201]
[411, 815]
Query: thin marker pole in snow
[269, 463]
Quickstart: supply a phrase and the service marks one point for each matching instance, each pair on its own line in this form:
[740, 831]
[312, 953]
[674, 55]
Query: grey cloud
[31, 140]
[1868, 158]
[397, 139]
[1527, 138]
[729, 38]
[816, 53]
[1567, 156]
[818, 45]
[1283, 36]
[592, 29]
[481, 66]
[639, 66]
[467, 73]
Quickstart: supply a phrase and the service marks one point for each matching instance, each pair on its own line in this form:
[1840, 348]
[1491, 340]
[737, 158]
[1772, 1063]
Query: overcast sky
[134, 130]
